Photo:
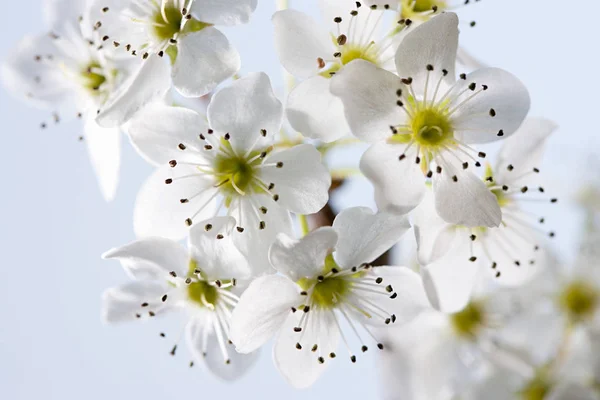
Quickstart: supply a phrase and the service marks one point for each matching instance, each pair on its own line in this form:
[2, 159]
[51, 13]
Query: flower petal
[571, 391]
[224, 12]
[302, 182]
[204, 59]
[399, 185]
[493, 113]
[261, 311]
[300, 41]
[369, 97]
[158, 209]
[104, 149]
[243, 109]
[124, 303]
[462, 198]
[312, 110]
[364, 235]
[214, 249]
[151, 258]
[304, 257]
[152, 81]
[63, 15]
[157, 131]
[301, 368]
[433, 43]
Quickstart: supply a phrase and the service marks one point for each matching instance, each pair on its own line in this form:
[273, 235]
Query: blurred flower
[201, 281]
[318, 290]
[422, 124]
[227, 164]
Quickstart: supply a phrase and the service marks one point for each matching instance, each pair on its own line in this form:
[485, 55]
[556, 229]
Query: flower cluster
[486, 311]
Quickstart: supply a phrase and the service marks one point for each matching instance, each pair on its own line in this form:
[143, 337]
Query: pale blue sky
[55, 224]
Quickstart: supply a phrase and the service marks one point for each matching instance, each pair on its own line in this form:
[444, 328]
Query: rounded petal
[158, 209]
[152, 81]
[462, 198]
[300, 41]
[304, 257]
[364, 235]
[450, 279]
[301, 368]
[433, 43]
[204, 59]
[124, 303]
[157, 131]
[224, 12]
[214, 249]
[61, 15]
[399, 185]
[244, 109]
[493, 113]
[151, 258]
[369, 97]
[104, 149]
[302, 183]
[316, 113]
[261, 311]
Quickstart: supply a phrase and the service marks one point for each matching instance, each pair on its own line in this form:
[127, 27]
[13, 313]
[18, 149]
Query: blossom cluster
[486, 310]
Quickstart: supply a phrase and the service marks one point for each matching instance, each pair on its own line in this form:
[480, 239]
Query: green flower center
[468, 321]
[412, 8]
[93, 77]
[327, 292]
[236, 174]
[580, 300]
[536, 389]
[203, 294]
[431, 126]
[168, 25]
[350, 52]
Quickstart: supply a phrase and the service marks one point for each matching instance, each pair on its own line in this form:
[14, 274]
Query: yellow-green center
[327, 292]
[92, 77]
[469, 320]
[412, 8]
[168, 25]
[203, 294]
[431, 126]
[350, 52]
[580, 300]
[236, 174]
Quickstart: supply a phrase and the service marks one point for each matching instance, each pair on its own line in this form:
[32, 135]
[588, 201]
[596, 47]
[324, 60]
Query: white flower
[319, 290]
[309, 50]
[200, 281]
[226, 164]
[422, 123]
[69, 71]
[513, 252]
[183, 30]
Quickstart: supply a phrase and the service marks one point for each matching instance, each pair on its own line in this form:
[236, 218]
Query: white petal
[204, 59]
[369, 97]
[301, 368]
[261, 311]
[364, 235]
[399, 185]
[450, 279]
[300, 41]
[506, 96]
[60, 13]
[150, 82]
[214, 360]
[104, 149]
[158, 129]
[363, 23]
[214, 249]
[151, 258]
[243, 109]
[433, 43]
[223, 12]
[302, 183]
[158, 210]
[316, 113]
[304, 257]
[123, 303]
[523, 150]
[572, 391]
[465, 201]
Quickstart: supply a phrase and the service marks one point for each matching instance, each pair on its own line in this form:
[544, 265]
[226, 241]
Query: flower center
[536, 389]
[431, 127]
[170, 22]
[93, 76]
[580, 300]
[203, 294]
[236, 174]
[468, 321]
[328, 290]
[415, 8]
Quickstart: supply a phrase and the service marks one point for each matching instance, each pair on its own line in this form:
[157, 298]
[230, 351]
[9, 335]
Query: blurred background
[54, 223]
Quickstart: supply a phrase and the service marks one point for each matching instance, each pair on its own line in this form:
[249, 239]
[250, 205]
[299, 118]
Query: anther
[208, 227]
[364, 349]
[181, 146]
[261, 225]
[298, 346]
[188, 222]
[473, 259]
[353, 359]
[380, 346]
[492, 112]
[164, 298]
[341, 40]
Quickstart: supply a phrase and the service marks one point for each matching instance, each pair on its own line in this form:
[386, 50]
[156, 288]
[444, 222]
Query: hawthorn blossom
[423, 122]
[316, 51]
[228, 164]
[201, 281]
[69, 71]
[325, 280]
[184, 31]
[451, 255]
